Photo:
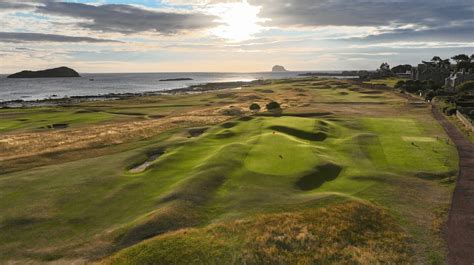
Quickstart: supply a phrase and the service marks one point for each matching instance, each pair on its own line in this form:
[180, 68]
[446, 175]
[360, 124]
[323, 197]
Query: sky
[105, 36]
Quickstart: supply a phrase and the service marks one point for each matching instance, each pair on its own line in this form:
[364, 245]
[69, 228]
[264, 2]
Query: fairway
[386, 172]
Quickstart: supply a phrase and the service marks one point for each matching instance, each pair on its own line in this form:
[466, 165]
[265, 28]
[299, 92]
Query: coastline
[206, 87]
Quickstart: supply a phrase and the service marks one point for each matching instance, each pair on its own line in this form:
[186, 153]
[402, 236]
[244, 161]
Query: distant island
[279, 68]
[176, 79]
[48, 73]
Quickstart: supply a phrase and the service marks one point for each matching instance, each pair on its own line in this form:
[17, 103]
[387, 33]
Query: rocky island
[176, 79]
[55, 72]
[279, 68]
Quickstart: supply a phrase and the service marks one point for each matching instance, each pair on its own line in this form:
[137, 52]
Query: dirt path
[460, 233]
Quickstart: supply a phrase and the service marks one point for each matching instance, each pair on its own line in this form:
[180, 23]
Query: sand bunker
[142, 167]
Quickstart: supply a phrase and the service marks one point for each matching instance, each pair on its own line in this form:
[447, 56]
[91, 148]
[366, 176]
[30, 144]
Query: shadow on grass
[320, 136]
[225, 134]
[228, 125]
[319, 176]
[303, 115]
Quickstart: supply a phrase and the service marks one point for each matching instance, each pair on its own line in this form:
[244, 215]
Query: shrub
[273, 105]
[254, 107]
[466, 86]
[232, 112]
[449, 110]
[400, 84]
[471, 114]
[429, 95]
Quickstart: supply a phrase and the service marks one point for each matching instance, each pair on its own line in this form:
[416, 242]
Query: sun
[239, 20]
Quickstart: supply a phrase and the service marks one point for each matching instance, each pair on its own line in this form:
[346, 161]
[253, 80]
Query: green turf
[258, 170]
[239, 169]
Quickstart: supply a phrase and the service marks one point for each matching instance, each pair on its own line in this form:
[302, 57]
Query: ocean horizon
[96, 84]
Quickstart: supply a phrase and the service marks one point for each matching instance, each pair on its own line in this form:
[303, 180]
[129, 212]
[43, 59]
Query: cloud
[463, 32]
[127, 19]
[364, 12]
[18, 37]
[6, 5]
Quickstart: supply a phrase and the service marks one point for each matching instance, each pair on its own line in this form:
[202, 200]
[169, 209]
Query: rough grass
[350, 233]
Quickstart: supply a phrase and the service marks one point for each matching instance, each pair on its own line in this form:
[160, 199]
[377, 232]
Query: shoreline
[206, 87]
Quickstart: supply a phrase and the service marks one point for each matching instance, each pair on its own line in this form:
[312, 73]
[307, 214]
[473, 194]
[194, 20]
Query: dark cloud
[453, 33]
[17, 37]
[6, 5]
[127, 19]
[365, 12]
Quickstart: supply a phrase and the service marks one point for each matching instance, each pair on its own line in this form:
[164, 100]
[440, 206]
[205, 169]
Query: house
[425, 72]
[407, 74]
[458, 78]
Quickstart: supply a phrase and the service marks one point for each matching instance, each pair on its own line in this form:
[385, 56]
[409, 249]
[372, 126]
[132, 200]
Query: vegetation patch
[268, 91]
[349, 233]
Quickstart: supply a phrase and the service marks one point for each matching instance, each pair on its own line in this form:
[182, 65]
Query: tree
[446, 63]
[460, 58]
[400, 84]
[384, 67]
[429, 63]
[273, 105]
[436, 59]
[401, 69]
[254, 107]
[439, 62]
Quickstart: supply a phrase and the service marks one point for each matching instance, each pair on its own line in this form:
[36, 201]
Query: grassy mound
[346, 233]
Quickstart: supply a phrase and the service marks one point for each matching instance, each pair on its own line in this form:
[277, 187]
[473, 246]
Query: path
[460, 233]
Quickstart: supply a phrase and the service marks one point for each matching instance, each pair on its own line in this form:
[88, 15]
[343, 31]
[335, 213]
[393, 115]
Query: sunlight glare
[240, 20]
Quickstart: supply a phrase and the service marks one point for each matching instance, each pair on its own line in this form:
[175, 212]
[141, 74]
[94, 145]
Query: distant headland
[176, 79]
[48, 73]
[279, 68]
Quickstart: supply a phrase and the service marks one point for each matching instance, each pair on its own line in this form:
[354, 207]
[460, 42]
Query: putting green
[275, 153]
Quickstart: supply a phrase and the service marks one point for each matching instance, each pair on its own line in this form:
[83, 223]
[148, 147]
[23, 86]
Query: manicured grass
[390, 82]
[40, 118]
[394, 171]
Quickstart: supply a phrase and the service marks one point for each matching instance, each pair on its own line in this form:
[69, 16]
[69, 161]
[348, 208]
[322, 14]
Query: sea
[120, 83]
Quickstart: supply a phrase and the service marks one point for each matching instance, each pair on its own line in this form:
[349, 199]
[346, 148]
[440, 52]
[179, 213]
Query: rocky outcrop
[279, 68]
[55, 72]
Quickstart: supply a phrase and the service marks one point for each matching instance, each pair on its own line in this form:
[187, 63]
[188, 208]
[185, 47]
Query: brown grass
[348, 233]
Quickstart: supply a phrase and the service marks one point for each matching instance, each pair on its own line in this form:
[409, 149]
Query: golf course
[344, 172]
